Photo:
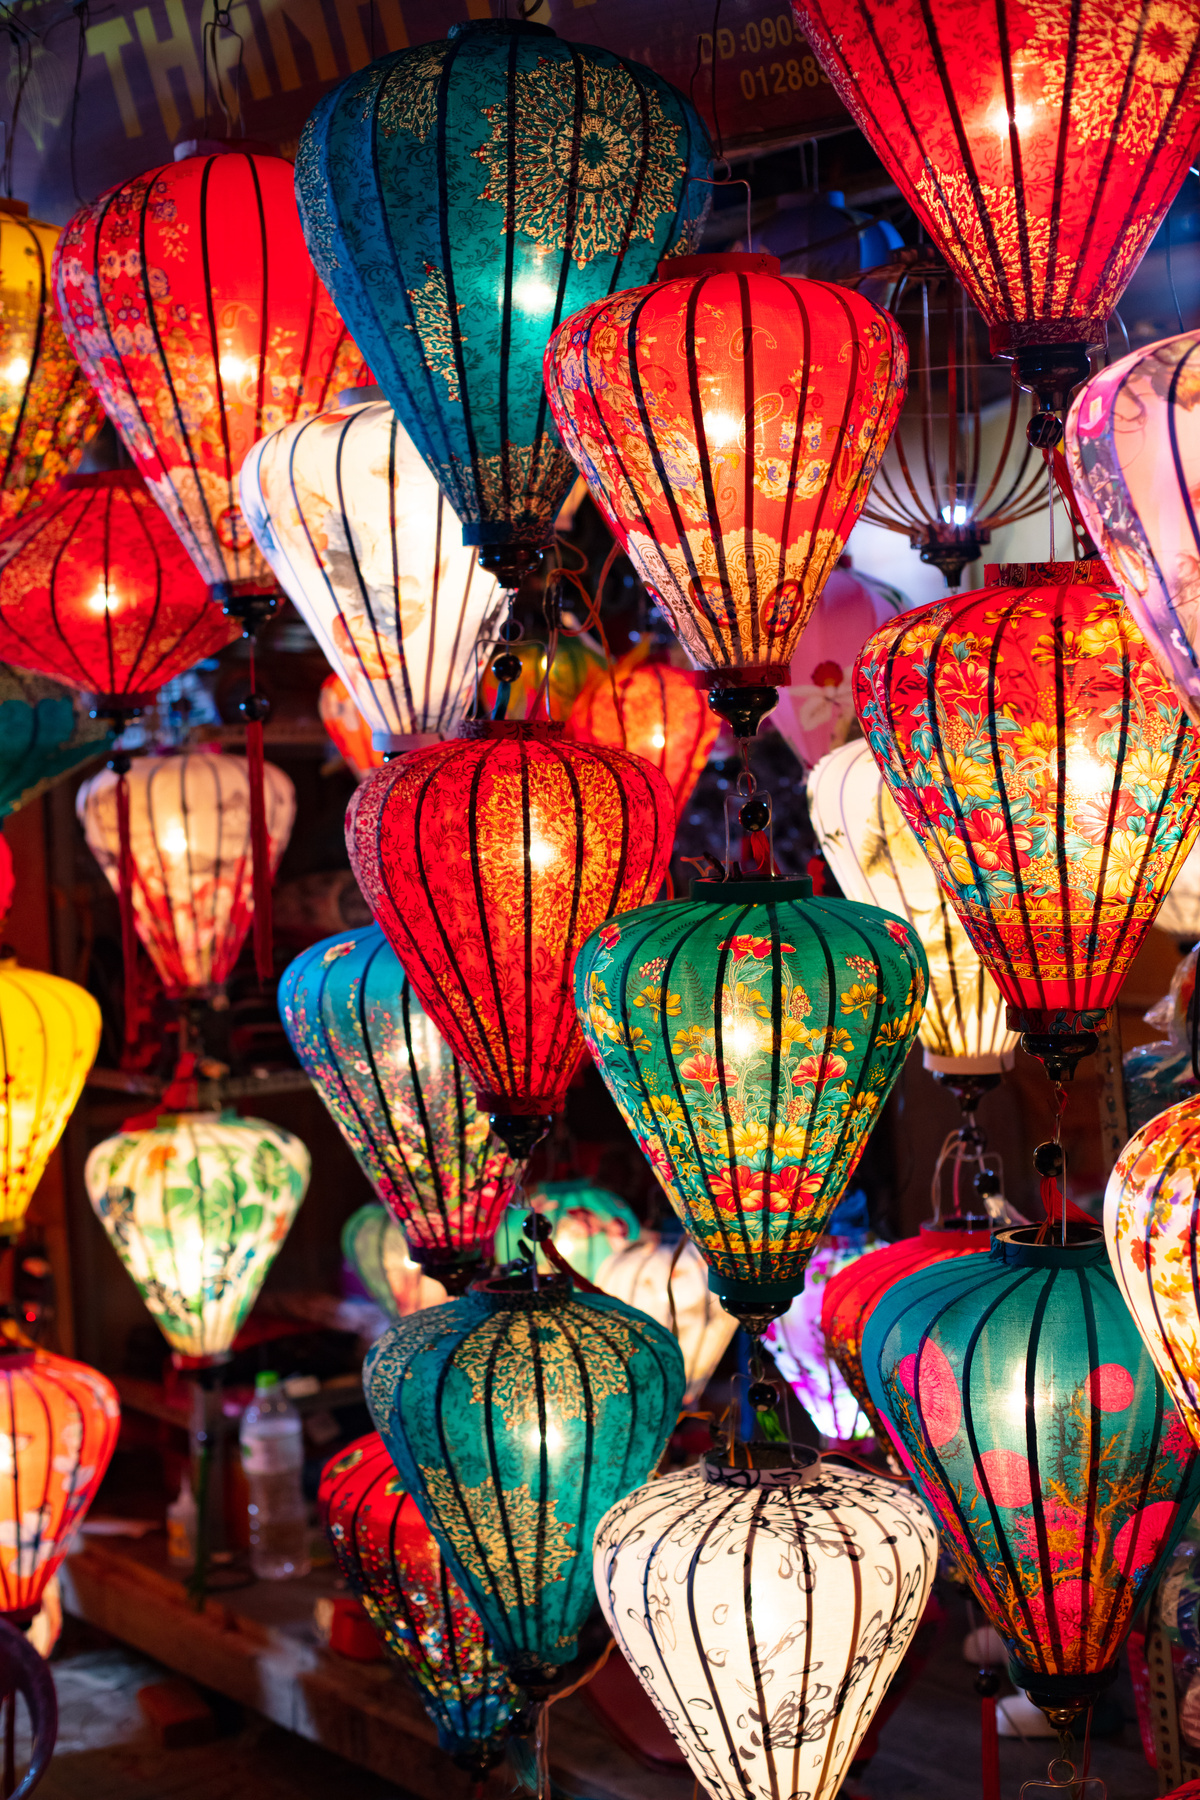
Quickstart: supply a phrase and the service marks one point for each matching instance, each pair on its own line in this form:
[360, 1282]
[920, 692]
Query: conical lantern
[1133, 451]
[487, 861]
[1019, 1393]
[45, 733]
[374, 1246]
[516, 1416]
[49, 1035]
[196, 1207]
[346, 726]
[1150, 1208]
[653, 709]
[356, 529]
[879, 861]
[48, 408]
[667, 1279]
[1032, 743]
[765, 1610]
[189, 841]
[460, 199]
[816, 708]
[390, 1558]
[59, 1422]
[401, 1099]
[1040, 147]
[750, 1036]
[729, 473]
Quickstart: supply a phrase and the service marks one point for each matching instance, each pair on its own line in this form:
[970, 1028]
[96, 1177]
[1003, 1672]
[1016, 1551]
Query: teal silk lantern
[750, 1036]
[460, 199]
[402, 1101]
[1022, 1398]
[587, 1222]
[516, 1417]
[45, 733]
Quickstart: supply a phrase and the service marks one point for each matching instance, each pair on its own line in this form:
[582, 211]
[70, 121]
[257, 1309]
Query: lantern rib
[1050, 273]
[759, 1698]
[418, 1095]
[1111, 823]
[699, 1634]
[73, 529]
[1017, 179]
[565, 1006]
[732, 629]
[841, 1690]
[263, 316]
[153, 560]
[999, 948]
[506, 313]
[651, 1612]
[1165, 1339]
[776, 1067]
[749, 410]
[205, 179]
[9, 1595]
[722, 1080]
[380, 654]
[492, 1411]
[43, 1507]
[579, 1572]
[1095, 1453]
[927, 404]
[952, 394]
[807, 1587]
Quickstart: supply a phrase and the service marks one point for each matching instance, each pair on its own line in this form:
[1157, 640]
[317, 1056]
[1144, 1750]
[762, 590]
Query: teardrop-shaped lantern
[879, 860]
[487, 861]
[1040, 147]
[1150, 1218]
[730, 471]
[401, 1099]
[356, 529]
[389, 1557]
[750, 1036]
[346, 726]
[189, 831]
[667, 1278]
[816, 708]
[516, 1416]
[48, 408]
[49, 1035]
[188, 296]
[653, 709]
[375, 1247]
[1034, 746]
[45, 733]
[1019, 1393]
[460, 199]
[197, 1207]
[59, 1422]
[1133, 450]
[765, 1610]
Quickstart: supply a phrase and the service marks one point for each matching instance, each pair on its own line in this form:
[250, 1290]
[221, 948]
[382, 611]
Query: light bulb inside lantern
[175, 842]
[741, 1039]
[1021, 117]
[534, 296]
[956, 514]
[552, 1438]
[657, 741]
[720, 428]
[233, 368]
[17, 370]
[103, 600]
[1085, 773]
[541, 852]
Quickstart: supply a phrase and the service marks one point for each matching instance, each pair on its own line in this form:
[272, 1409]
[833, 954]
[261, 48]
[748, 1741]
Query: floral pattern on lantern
[49, 1036]
[389, 1557]
[667, 1279]
[729, 475]
[654, 710]
[189, 824]
[816, 708]
[196, 1207]
[1032, 743]
[212, 332]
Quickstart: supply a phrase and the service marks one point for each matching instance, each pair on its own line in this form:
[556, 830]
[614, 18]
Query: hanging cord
[679, 1250]
[254, 709]
[120, 765]
[591, 622]
[1050, 1162]
[222, 20]
[539, 1227]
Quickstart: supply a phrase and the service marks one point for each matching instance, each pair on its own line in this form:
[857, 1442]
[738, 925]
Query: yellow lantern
[49, 1035]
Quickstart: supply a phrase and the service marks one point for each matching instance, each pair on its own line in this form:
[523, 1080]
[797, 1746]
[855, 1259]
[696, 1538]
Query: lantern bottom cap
[755, 1303]
[395, 743]
[1060, 1692]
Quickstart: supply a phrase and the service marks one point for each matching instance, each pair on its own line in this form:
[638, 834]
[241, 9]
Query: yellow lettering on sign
[306, 17]
[163, 55]
[108, 40]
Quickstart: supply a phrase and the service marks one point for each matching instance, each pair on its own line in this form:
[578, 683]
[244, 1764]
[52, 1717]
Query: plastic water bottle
[272, 1456]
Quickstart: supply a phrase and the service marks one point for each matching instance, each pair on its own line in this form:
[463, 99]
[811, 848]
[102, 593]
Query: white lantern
[668, 1280]
[359, 535]
[1179, 913]
[765, 1611]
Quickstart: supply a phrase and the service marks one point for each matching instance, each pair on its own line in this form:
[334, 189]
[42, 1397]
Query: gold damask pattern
[513, 1363]
[510, 1544]
[435, 328]
[1152, 47]
[409, 100]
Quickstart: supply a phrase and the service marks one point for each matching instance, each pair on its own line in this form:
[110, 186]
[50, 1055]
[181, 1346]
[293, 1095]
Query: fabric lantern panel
[214, 333]
[400, 1098]
[189, 825]
[816, 708]
[389, 1557]
[654, 710]
[374, 1246]
[798, 1349]
[346, 726]
[196, 1207]
[49, 1036]
[728, 1588]
[357, 531]
[667, 1279]
[588, 1224]
[45, 733]
[461, 198]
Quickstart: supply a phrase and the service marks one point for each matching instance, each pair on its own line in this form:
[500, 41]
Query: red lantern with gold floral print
[653, 709]
[728, 420]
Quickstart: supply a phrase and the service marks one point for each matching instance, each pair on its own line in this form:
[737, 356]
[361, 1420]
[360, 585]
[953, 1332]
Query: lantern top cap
[725, 262]
[516, 1293]
[776, 1466]
[545, 729]
[752, 893]
[499, 28]
[1018, 1246]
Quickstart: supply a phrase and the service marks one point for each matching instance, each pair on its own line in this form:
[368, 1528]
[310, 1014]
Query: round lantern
[389, 1557]
[213, 333]
[1019, 1393]
[1033, 745]
[97, 590]
[653, 709]
[59, 1422]
[374, 1246]
[878, 861]
[750, 1036]
[47, 406]
[355, 527]
[460, 199]
[798, 1349]
[729, 1589]
[401, 1099]
[816, 708]
[197, 1207]
[667, 1279]
[588, 1223]
[733, 479]
[487, 861]
[346, 726]
[190, 850]
[45, 733]
[1039, 150]
[516, 1416]
[49, 1035]
[1150, 1216]
[1133, 450]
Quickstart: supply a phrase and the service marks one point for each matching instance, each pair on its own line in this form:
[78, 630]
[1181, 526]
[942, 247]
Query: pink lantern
[816, 709]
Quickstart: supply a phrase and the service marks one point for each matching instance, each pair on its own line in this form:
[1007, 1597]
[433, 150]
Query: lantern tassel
[1055, 1203]
[260, 851]
[125, 878]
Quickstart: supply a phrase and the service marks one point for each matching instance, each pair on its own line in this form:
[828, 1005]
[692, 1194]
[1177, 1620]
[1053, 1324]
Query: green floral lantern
[750, 1036]
[45, 734]
[587, 1222]
[516, 1416]
[460, 199]
[377, 1250]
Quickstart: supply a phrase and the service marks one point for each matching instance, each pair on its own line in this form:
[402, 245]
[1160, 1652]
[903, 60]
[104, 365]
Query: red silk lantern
[1039, 145]
[487, 861]
[728, 420]
[654, 710]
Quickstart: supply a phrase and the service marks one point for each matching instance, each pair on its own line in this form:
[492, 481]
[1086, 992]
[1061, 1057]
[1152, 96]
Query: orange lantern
[653, 709]
[346, 726]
